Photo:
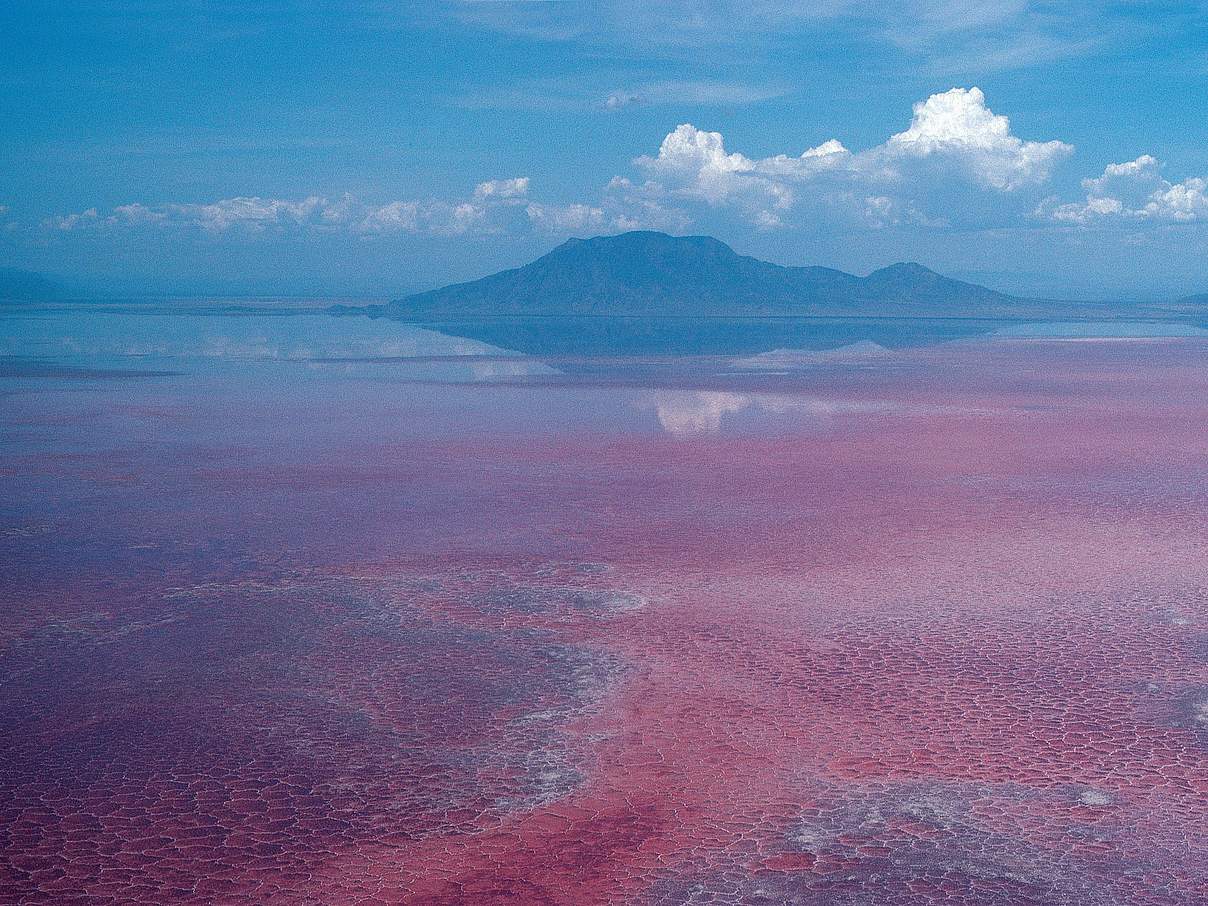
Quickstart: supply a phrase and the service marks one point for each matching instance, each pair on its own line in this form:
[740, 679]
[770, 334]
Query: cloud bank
[957, 164]
[953, 140]
[1133, 191]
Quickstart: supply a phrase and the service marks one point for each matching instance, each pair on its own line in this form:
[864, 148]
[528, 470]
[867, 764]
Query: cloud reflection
[687, 414]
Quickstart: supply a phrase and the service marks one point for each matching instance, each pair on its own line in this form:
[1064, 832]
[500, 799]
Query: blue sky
[375, 148]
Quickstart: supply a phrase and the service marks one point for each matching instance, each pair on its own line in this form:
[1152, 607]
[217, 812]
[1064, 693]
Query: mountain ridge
[648, 273]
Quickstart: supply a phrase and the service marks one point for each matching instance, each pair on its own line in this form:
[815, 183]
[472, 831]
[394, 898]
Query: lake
[304, 608]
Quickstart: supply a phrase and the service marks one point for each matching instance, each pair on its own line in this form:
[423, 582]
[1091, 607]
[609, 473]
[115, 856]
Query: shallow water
[312, 609]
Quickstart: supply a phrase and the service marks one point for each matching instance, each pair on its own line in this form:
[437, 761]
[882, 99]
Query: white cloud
[643, 206]
[1143, 169]
[1183, 201]
[438, 218]
[623, 206]
[571, 218]
[958, 127]
[395, 217]
[137, 213]
[953, 138]
[957, 164]
[250, 213]
[1083, 213]
[692, 163]
[503, 188]
[75, 221]
[699, 160]
[1132, 191]
[692, 151]
[457, 219]
[954, 152]
[255, 214]
[826, 151]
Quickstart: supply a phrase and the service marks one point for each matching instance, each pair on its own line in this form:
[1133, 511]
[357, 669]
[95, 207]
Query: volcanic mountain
[653, 274]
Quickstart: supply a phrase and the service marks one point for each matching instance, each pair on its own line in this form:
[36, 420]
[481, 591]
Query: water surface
[312, 609]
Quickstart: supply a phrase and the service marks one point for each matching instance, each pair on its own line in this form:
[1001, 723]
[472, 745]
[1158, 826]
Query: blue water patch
[1078, 330]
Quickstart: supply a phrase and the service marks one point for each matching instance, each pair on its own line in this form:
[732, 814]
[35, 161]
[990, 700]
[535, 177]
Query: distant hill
[26, 285]
[648, 273]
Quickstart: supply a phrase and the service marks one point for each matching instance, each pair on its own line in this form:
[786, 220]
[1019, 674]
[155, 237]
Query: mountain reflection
[623, 336]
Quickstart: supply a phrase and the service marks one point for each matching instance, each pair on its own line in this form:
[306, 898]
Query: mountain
[26, 285]
[647, 273]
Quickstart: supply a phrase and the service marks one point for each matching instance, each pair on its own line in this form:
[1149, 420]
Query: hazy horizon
[195, 288]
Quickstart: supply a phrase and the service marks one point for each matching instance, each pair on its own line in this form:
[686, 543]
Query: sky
[377, 148]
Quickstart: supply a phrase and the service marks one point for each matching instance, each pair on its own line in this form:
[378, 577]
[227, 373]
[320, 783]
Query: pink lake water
[311, 610]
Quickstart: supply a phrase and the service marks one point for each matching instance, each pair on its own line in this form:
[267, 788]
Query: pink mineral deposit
[929, 633]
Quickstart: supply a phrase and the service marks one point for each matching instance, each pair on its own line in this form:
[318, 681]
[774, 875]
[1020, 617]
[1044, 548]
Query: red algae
[949, 648]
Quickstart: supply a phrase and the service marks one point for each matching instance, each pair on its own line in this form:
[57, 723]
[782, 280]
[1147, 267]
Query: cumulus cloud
[956, 164]
[1182, 201]
[699, 161]
[694, 163]
[1132, 191]
[953, 137]
[957, 127]
[1143, 169]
